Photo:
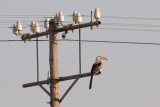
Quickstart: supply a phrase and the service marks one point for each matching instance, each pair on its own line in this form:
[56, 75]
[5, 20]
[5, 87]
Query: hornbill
[96, 68]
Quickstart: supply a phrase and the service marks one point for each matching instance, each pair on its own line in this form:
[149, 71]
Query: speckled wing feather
[95, 69]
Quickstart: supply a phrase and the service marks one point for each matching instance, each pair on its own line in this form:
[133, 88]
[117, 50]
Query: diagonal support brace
[74, 82]
[45, 90]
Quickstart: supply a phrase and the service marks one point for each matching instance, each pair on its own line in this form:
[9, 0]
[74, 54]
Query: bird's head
[100, 58]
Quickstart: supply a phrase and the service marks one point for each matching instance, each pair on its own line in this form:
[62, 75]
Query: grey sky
[129, 79]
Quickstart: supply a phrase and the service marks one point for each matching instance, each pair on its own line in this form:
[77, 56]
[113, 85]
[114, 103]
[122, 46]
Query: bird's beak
[104, 58]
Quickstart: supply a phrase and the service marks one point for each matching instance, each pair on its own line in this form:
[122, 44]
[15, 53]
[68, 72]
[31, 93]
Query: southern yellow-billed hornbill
[96, 68]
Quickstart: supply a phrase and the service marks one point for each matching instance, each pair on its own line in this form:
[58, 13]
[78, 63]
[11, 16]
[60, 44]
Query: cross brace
[64, 95]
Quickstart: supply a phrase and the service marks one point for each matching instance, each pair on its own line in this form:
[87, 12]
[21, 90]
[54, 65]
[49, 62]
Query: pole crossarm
[65, 28]
[35, 83]
[30, 36]
[75, 76]
[77, 26]
[60, 79]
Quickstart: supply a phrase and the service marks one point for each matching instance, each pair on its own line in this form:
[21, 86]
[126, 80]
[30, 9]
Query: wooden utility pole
[53, 59]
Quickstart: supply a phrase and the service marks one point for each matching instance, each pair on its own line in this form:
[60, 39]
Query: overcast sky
[129, 79]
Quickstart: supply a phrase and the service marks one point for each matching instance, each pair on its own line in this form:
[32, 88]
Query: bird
[96, 68]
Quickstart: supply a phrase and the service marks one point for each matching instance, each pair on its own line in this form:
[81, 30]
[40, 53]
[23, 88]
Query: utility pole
[52, 30]
[53, 59]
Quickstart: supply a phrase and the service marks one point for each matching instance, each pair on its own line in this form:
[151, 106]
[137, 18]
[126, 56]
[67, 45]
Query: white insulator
[57, 14]
[37, 28]
[19, 26]
[78, 18]
[14, 29]
[46, 23]
[32, 26]
[61, 17]
[56, 19]
[74, 15]
[97, 14]
[47, 19]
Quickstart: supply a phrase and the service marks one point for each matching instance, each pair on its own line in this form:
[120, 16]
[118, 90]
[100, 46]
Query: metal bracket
[74, 82]
[45, 90]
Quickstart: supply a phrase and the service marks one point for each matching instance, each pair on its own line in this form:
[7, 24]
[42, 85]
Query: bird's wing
[95, 67]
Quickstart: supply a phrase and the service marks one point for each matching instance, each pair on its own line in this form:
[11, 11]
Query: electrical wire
[28, 16]
[101, 28]
[89, 41]
[23, 17]
[137, 18]
[136, 25]
[120, 42]
[112, 24]
[11, 40]
[37, 54]
[103, 16]
[125, 17]
[4, 27]
[150, 30]
[79, 49]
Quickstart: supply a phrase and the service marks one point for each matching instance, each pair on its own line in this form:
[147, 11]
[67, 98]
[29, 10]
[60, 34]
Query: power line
[144, 43]
[29, 16]
[126, 17]
[11, 40]
[114, 24]
[23, 17]
[89, 41]
[137, 18]
[26, 15]
[150, 30]
[4, 27]
[123, 29]
[44, 16]
[130, 24]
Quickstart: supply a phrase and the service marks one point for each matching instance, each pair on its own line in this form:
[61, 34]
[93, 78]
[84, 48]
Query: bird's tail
[90, 85]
